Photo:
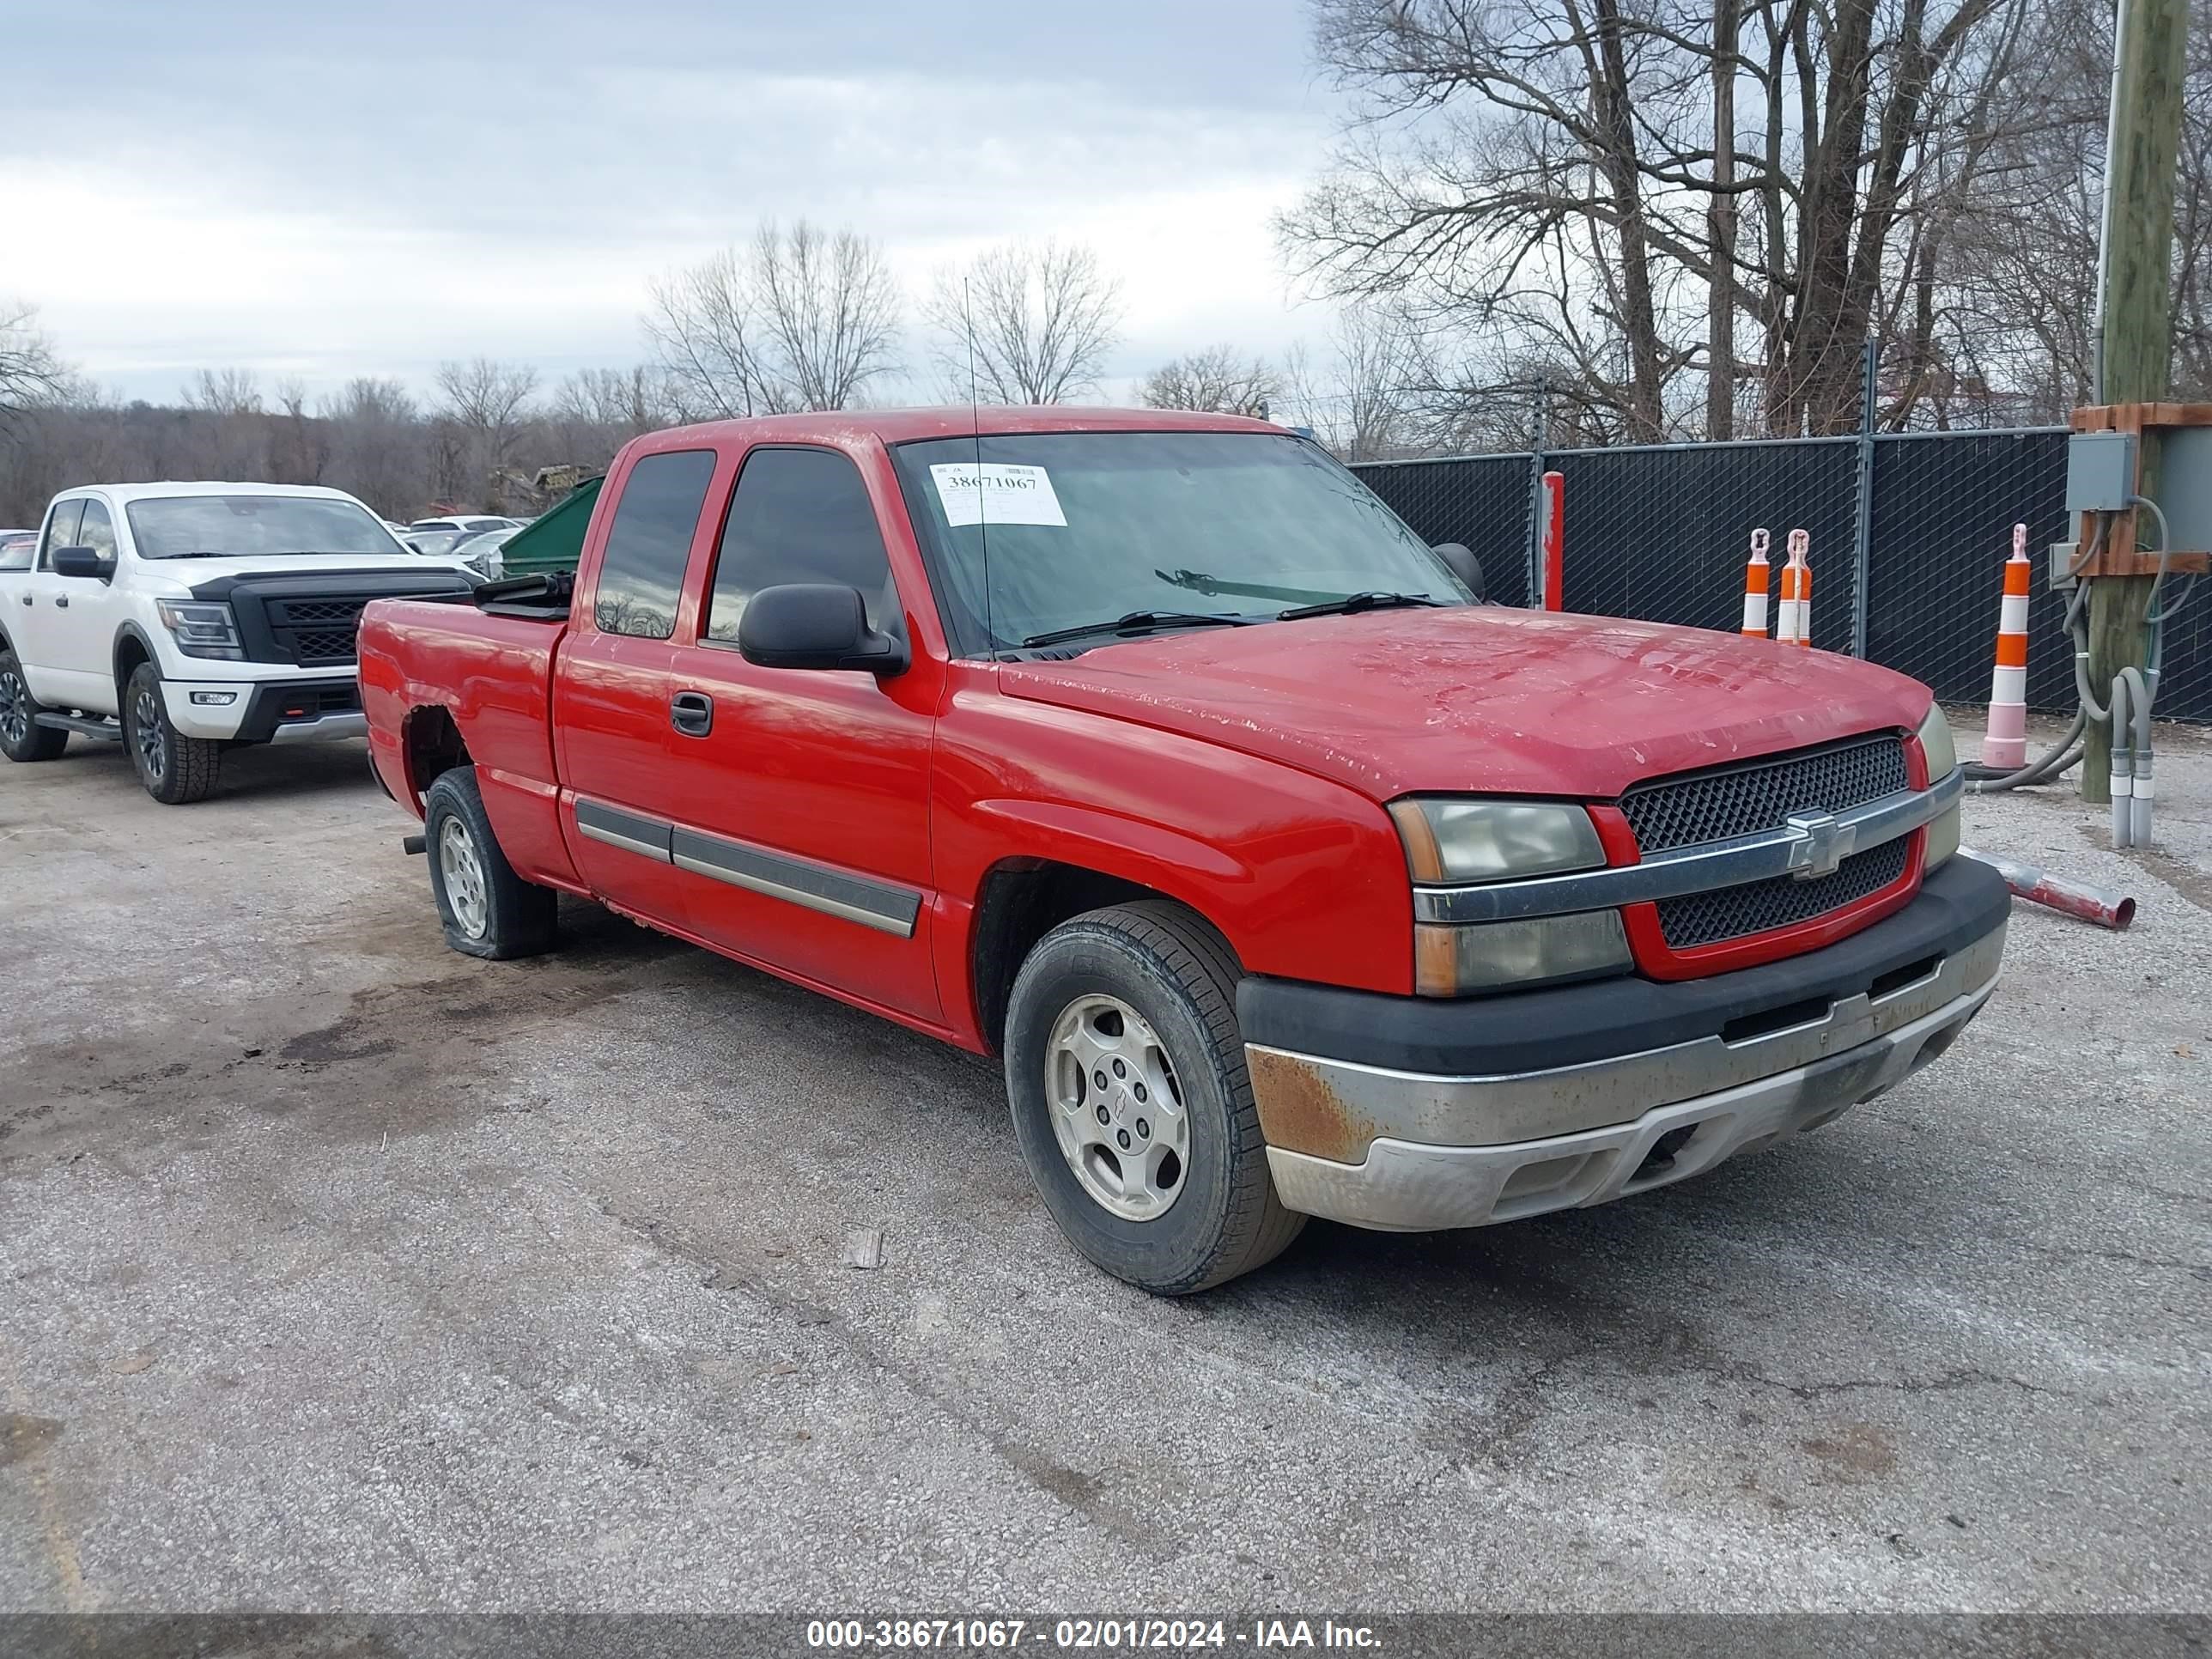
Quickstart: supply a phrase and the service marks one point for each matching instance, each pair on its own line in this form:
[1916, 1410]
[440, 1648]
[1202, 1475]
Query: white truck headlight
[1942, 755]
[201, 627]
[1454, 841]
[1451, 960]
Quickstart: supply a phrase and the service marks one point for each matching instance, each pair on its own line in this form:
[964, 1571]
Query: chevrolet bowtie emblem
[1821, 844]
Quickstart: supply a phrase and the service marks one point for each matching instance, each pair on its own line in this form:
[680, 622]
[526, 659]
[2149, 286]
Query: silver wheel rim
[1117, 1109]
[463, 876]
[146, 731]
[14, 708]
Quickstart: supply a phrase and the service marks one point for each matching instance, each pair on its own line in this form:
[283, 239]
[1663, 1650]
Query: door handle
[61, 602]
[691, 712]
[26, 598]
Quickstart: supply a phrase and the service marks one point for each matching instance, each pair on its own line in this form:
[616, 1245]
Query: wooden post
[2136, 328]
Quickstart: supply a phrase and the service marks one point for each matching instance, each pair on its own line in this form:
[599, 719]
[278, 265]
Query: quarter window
[800, 515]
[641, 572]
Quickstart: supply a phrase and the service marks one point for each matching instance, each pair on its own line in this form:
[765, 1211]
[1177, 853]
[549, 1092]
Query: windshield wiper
[1353, 603]
[1134, 621]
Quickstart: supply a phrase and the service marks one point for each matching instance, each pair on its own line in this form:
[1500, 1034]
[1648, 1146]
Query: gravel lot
[340, 1272]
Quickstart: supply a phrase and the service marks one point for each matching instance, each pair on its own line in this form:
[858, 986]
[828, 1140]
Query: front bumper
[1578, 1095]
[320, 710]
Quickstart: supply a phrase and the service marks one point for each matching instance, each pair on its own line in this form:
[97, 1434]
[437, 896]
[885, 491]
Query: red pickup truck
[1152, 754]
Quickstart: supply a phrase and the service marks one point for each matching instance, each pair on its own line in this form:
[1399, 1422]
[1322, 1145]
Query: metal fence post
[1862, 528]
[1540, 417]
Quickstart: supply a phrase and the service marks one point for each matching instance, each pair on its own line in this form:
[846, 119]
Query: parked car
[1152, 755]
[468, 524]
[184, 619]
[480, 550]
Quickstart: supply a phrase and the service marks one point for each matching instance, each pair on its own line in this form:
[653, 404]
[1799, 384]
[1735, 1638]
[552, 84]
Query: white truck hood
[193, 573]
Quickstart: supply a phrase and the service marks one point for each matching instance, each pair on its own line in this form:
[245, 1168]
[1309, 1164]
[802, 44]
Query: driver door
[800, 797]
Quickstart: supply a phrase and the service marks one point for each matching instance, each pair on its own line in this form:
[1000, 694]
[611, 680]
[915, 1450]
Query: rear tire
[1165, 1185]
[486, 909]
[22, 737]
[176, 769]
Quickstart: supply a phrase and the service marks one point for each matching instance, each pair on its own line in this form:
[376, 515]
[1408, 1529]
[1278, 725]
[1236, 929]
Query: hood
[192, 573]
[1479, 697]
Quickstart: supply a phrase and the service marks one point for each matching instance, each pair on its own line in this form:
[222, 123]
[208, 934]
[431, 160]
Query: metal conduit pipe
[2142, 689]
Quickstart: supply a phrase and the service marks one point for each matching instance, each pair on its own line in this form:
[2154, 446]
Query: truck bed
[489, 674]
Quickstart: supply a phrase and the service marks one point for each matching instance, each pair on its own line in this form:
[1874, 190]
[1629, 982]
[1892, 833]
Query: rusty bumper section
[1407, 1153]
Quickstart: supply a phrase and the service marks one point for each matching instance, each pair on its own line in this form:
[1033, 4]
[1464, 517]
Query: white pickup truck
[187, 618]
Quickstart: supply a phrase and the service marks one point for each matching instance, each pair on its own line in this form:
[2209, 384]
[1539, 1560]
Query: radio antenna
[976, 427]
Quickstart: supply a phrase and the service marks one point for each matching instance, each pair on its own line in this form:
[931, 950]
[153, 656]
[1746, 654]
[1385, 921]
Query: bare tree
[30, 374]
[1365, 396]
[1216, 379]
[1582, 186]
[377, 450]
[224, 392]
[1025, 323]
[486, 402]
[596, 411]
[299, 445]
[803, 319]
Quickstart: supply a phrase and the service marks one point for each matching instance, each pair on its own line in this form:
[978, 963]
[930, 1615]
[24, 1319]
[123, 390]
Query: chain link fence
[1909, 536]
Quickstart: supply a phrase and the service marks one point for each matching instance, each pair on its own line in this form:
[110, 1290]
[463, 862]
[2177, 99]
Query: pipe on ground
[2097, 904]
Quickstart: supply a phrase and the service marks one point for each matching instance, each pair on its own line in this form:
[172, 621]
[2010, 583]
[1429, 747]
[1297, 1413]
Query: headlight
[1468, 841]
[1935, 742]
[201, 628]
[1451, 961]
[1942, 760]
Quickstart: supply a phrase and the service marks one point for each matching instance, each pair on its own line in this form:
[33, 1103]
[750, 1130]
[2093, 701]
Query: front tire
[22, 737]
[1125, 1074]
[486, 909]
[176, 769]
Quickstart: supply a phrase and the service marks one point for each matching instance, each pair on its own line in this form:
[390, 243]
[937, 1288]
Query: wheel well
[129, 652]
[1023, 900]
[433, 746]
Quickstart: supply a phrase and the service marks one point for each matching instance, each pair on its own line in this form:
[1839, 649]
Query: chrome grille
[1756, 906]
[1761, 794]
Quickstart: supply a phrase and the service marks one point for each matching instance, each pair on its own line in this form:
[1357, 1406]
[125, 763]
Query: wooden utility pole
[2135, 328]
[1720, 345]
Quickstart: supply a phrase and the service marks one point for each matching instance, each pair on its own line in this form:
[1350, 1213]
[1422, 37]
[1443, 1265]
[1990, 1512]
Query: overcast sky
[332, 191]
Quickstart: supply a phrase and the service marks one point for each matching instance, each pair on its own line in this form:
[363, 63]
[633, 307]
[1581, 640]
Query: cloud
[330, 193]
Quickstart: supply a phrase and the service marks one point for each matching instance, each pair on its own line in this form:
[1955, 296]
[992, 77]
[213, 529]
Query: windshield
[1086, 527]
[253, 526]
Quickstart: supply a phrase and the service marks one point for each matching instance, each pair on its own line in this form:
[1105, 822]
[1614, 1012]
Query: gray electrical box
[2063, 554]
[2184, 487]
[2100, 471]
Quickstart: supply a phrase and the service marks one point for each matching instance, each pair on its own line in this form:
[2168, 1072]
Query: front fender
[1302, 875]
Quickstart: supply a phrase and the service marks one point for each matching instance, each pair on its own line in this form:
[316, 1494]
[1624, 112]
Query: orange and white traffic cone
[1756, 576]
[2005, 746]
[1795, 624]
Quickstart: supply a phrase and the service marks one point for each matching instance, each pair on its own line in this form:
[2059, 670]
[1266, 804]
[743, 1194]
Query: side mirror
[1465, 566]
[815, 625]
[80, 561]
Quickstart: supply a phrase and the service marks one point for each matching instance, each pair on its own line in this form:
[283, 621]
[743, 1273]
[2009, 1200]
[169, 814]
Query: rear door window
[61, 530]
[641, 572]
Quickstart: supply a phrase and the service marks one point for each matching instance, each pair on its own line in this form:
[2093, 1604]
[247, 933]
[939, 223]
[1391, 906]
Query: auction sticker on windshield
[995, 493]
